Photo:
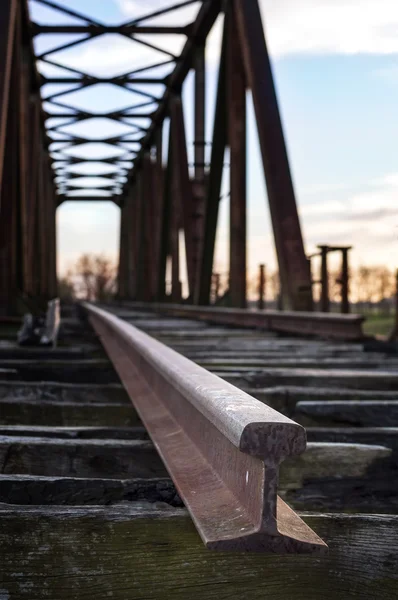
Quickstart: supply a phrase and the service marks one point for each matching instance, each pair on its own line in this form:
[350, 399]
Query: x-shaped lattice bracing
[68, 124]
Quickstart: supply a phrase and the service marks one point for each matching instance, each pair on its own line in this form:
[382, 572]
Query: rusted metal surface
[293, 266]
[8, 13]
[328, 325]
[236, 89]
[212, 198]
[221, 446]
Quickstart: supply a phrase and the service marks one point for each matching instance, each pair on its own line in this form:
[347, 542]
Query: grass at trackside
[378, 324]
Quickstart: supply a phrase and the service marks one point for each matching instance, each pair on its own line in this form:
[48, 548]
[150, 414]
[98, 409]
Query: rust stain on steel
[328, 325]
[221, 446]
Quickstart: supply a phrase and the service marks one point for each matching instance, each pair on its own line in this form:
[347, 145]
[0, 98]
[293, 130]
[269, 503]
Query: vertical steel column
[293, 266]
[22, 108]
[182, 188]
[158, 199]
[43, 243]
[122, 267]
[139, 236]
[147, 263]
[53, 287]
[8, 12]
[9, 189]
[176, 217]
[236, 92]
[325, 302]
[345, 305]
[131, 246]
[261, 287]
[165, 236]
[199, 186]
[34, 215]
[212, 198]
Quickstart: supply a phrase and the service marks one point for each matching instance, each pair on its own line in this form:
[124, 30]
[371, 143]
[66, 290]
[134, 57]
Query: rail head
[221, 446]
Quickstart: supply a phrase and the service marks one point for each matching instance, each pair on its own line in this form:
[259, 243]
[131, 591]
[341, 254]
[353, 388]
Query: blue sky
[336, 69]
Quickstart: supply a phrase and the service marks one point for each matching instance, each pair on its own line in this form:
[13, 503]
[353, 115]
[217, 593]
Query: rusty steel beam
[212, 197]
[221, 446]
[10, 263]
[86, 80]
[199, 180]
[164, 247]
[38, 29]
[131, 274]
[293, 266]
[205, 20]
[236, 111]
[8, 14]
[122, 263]
[182, 187]
[327, 325]
[147, 259]
[158, 199]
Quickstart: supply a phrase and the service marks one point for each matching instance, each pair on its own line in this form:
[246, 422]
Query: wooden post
[345, 305]
[236, 85]
[293, 266]
[325, 302]
[261, 287]
[396, 303]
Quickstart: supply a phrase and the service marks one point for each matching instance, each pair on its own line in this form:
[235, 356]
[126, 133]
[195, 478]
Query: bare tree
[93, 277]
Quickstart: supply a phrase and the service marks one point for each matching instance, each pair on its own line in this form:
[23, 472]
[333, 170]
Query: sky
[335, 65]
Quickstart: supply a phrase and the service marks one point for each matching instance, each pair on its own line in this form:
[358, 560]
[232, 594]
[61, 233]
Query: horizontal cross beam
[38, 29]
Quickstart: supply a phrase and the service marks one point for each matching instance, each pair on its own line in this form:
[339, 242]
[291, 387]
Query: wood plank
[31, 412]
[75, 433]
[322, 460]
[285, 398]
[384, 436]
[65, 392]
[79, 458]
[30, 490]
[297, 362]
[333, 378]
[120, 458]
[150, 553]
[83, 371]
[364, 413]
[10, 350]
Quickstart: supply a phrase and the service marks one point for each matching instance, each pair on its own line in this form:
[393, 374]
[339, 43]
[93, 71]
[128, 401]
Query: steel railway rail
[88, 508]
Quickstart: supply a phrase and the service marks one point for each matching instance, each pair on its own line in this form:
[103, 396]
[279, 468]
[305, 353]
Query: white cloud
[368, 221]
[331, 26]
[314, 26]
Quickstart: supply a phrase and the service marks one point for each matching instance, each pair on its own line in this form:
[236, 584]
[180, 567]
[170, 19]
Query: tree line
[94, 277]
